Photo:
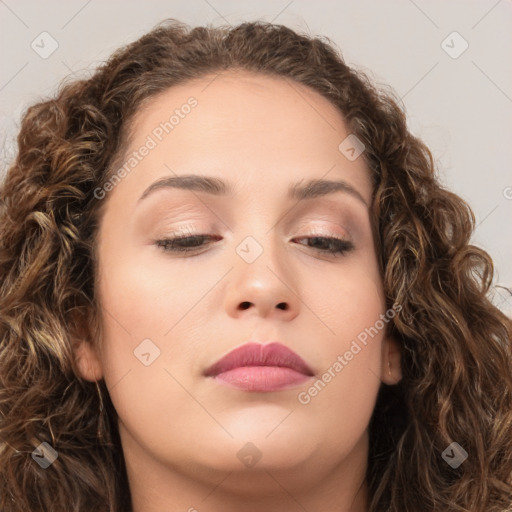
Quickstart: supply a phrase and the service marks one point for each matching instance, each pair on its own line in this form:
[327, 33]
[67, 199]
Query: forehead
[243, 126]
[247, 102]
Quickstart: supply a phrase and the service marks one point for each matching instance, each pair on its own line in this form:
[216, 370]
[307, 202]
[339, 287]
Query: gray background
[461, 107]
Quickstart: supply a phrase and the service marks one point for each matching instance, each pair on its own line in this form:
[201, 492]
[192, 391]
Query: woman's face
[259, 276]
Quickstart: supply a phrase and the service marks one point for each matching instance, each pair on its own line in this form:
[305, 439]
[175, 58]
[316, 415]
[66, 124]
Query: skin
[180, 431]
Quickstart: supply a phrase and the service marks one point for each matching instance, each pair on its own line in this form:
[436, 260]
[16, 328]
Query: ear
[391, 373]
[87, 359]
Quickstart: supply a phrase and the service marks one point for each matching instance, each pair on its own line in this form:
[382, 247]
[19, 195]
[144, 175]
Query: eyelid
[328, 211]
[336, 223]
[345, 233]
[187, 230]
[184, 232]
[323, 232]
[192, 230]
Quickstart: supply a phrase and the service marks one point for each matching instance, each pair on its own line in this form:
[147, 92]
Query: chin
[261, 449]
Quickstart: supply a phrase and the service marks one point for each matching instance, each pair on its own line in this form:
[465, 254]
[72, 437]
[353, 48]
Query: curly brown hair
[456, 345]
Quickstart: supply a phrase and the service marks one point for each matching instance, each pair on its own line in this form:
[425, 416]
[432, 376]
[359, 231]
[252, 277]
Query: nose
[264, 287]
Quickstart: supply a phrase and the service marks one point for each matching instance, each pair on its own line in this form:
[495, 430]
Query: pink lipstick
[261, 368]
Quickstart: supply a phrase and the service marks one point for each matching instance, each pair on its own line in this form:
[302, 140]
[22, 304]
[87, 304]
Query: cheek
[349, 307]
[148, 295]
[344, 400]
[147, 316]
[349, 343]
[344, 300]
[156, 310]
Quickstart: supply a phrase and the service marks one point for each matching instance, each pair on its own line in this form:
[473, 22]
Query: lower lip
[262, 378]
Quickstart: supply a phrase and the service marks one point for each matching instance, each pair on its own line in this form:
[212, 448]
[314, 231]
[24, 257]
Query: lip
[260, 368]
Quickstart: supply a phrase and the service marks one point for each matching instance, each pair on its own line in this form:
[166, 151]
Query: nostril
[247, 305]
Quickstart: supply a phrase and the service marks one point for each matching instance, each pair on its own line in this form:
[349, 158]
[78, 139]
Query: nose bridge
[258, 232]
[259, 256]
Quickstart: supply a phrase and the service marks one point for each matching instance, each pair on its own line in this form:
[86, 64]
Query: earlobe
[392, 364]
[87, 362]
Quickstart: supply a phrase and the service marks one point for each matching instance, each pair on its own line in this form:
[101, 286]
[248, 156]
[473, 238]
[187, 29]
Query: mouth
[261, 368]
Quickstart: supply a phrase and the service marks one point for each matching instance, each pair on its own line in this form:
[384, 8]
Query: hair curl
[456, 345]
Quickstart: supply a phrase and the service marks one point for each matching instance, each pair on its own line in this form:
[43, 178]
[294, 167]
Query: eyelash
[170, 244]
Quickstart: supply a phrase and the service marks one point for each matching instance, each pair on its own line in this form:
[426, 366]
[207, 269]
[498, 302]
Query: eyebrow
[211, 185]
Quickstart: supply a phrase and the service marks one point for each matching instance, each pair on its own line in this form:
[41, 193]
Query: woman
[230, 280]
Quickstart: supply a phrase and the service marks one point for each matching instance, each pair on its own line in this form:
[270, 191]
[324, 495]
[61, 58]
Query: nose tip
[263, 288]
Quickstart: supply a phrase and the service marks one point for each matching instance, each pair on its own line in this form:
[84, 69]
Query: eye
[328, 244]
[332, 245]
[183, 244]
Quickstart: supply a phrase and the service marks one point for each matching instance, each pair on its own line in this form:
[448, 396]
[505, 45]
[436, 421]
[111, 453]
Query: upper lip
[256, 354]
